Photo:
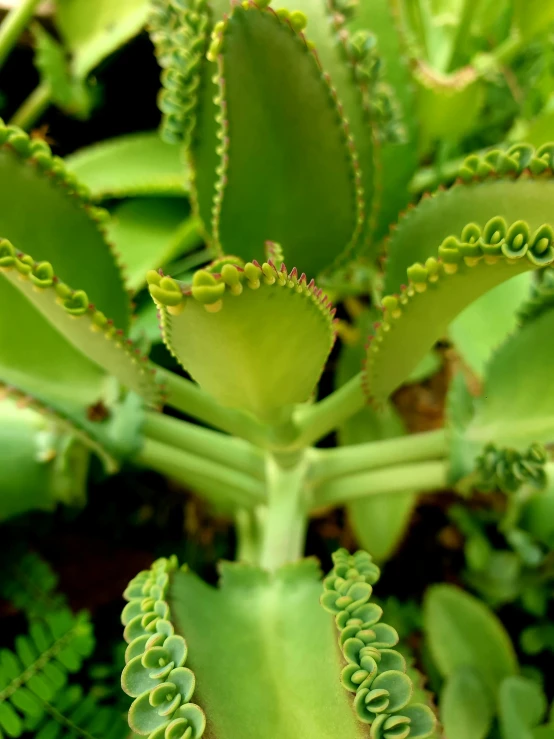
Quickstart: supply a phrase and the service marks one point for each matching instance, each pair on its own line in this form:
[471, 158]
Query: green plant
[285, 116]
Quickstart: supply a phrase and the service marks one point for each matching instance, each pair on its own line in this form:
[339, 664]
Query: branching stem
[420, 477]
[213, 446]
[359, 458]
[210, 480]
[320, 419]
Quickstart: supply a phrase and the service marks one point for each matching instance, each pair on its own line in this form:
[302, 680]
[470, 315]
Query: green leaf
[462, 632]
[148, 233]
[398, 160]
[522, 706]
[273, 85]
[466, 707]
[538, 515]
[533, 17]
[263, 651]
[467, 267]
[93, 30]
[79, 322]
[512, 414]
[486, 323]
[135, 164]
[497, 184]
[254, 337]
[379, 521]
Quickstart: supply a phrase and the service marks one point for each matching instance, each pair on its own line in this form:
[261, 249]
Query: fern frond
[28, 582]
[33, 675]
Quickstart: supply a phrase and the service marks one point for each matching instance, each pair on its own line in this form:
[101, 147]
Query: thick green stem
[348, 460]
[13, 26]
[33, 107]
[215, 482]
[421, 477]
[286, 515]
[248, 536]
[236, 453]
[320, 419]
[188, 398]
[470, 8]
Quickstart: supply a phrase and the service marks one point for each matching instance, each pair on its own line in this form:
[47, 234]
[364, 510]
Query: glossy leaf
[271, 83]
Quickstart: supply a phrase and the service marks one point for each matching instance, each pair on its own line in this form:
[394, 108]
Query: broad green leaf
[93, 29]
[462, 632]
[493, 185]
[466, 706]
[379, 521]
[130, 165]
[78, 321]
[398, 161]
[509, 414]
[467, 267]
[254, 337]
[272, 84]
[532, 17]
[522, 706]
[484, 325]
[38, 467]
[262, 649]
[148, 233]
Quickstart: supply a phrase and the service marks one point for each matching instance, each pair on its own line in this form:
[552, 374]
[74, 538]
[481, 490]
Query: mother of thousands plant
[293, 137]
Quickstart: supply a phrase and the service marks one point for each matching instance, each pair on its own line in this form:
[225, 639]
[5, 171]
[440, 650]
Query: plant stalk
[33, 107]
[286, 514]
[420, 477]
[248, 536]
[213, 446]
[320, 419]
[212, 481]
[348, 460]
[13, 26]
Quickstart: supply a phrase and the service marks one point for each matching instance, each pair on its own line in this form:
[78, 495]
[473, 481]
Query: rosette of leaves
[287, 680]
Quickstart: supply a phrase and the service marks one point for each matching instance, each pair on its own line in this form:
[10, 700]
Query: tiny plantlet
[318, 270]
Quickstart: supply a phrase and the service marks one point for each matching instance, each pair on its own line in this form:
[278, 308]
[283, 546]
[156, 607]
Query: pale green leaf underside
[264, 654]
[93, 29]
[135, 164]
[462, 631]
[419, 232]
[262, 350]
[483, 325]
[148, 233]
[282, 124]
